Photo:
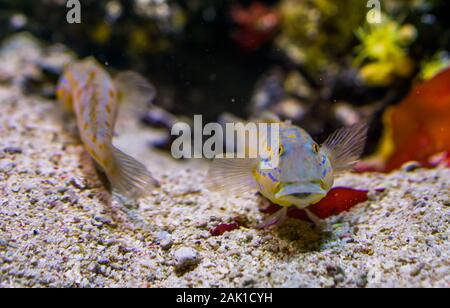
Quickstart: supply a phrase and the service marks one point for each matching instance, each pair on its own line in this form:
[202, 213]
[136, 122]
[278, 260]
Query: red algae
[257, 25]
[338, 200]
[222, 228]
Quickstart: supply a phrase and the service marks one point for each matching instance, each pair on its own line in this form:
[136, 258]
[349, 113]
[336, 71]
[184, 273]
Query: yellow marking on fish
[60, 93]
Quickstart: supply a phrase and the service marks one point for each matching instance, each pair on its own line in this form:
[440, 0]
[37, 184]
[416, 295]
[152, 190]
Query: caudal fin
[131, 178]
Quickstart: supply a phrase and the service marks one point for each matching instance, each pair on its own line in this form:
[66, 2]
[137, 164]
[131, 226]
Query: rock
[165, 240]
[103, 261]
[411, 166]
[166, 243]
[77, 183]
[102, 219]
[186, 259]
[6, 166]
[16, 187]
[12, 150]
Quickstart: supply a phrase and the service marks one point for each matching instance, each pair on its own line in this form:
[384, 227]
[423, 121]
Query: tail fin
[129, 177]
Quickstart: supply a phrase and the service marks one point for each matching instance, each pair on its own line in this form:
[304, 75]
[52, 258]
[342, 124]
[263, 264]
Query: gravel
[60, 227]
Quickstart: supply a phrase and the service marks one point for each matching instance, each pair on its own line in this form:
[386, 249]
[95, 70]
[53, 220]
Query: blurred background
[319, 63]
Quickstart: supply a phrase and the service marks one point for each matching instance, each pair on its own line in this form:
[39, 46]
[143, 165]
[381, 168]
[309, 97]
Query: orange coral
[420, 124]
[417, 129]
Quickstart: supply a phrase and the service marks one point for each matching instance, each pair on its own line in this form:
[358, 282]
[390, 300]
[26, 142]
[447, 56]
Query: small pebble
[411, 166]
[186, 259]
[12, 150]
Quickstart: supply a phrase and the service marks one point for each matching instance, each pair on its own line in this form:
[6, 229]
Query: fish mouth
[300, 195]
[300, 190]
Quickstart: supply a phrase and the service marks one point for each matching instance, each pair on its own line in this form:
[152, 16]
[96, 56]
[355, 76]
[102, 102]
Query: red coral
[338, 200]
[256, 25]
[222, 228]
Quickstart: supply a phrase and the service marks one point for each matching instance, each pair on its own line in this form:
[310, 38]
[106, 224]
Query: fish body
[305, 172]
[90, 92]
[92, 95]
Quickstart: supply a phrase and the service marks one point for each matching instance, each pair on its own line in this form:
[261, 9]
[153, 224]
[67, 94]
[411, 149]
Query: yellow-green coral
[383, 53]
[435, 65]
[393, 6]
[315, 33]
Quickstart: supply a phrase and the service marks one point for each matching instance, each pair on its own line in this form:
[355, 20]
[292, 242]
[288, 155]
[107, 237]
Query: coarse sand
[60, 227]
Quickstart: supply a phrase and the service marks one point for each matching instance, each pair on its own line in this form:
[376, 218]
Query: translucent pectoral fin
[345, 146]
[277, 218]
[134, 90]
[318, 223]
[232, 175]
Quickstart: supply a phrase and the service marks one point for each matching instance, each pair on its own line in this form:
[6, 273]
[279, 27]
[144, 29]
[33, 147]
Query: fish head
[305, 172]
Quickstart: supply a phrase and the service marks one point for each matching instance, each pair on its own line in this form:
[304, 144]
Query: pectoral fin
[134, 89]
[278, 218]
[232, 175]
[345, 146]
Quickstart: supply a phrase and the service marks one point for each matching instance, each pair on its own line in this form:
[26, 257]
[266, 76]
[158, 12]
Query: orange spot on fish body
[112, 94]
[60, 93]
[92, 75]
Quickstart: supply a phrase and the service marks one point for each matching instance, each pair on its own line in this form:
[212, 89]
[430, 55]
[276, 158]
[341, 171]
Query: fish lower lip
[300, 190]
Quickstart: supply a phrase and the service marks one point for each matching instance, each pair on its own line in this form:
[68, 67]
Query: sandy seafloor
[59, 227]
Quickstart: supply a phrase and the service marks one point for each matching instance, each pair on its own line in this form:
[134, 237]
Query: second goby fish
[304, 174]
[88, 90]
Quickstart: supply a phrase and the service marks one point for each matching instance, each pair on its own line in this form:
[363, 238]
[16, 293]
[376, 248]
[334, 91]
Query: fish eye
[280, 150]
[316, 148]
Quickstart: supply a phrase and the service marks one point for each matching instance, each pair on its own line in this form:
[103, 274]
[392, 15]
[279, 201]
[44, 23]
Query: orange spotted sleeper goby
[88, 90]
